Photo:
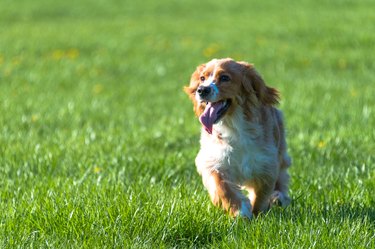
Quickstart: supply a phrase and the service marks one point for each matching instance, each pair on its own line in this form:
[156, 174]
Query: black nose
[203, 91]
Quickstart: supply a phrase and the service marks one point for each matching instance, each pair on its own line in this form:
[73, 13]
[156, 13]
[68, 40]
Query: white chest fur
[239, 152]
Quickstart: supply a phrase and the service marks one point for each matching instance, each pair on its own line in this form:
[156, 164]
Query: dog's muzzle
[209, 91]
[204, 91]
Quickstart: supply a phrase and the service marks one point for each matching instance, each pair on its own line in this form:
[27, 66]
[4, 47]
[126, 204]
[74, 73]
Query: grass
[97, 139]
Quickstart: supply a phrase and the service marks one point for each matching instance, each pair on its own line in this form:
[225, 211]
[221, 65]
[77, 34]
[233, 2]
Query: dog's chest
[242, 158]
[235, 152]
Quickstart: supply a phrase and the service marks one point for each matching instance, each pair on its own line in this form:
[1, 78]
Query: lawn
[98, 140]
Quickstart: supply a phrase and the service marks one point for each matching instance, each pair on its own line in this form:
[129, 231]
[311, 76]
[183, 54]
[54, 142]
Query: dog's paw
[279, 199]
[244, 210]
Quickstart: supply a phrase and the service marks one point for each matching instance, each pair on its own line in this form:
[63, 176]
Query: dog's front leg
[226, 194]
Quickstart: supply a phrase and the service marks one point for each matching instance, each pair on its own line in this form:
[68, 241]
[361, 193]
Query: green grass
[97, 139]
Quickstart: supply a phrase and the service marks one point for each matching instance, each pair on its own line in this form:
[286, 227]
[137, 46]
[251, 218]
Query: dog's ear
[192, 88]
[252, 82]
[194, 81]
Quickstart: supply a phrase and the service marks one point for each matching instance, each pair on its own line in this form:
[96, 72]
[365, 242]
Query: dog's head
[217, 87]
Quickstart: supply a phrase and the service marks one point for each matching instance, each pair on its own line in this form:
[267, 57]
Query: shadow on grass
[355, 212]
[196, 233]
[337, 212]
[202, 233]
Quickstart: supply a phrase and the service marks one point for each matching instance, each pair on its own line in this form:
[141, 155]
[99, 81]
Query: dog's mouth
[213, 112]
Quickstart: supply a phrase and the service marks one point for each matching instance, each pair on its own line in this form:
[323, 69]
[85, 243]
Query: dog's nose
[203, 91]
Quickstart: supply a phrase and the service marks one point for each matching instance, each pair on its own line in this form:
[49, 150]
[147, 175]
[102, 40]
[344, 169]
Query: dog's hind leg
[280, 195]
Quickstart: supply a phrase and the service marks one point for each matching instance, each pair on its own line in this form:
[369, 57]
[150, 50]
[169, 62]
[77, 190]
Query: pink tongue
[209, 115]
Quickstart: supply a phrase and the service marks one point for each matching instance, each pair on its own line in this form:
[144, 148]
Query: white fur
[239, 155]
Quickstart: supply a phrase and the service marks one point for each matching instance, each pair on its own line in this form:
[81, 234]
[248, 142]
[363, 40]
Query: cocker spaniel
[242, 144]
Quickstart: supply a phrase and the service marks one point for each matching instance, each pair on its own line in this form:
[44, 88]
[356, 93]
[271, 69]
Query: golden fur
[246, 149]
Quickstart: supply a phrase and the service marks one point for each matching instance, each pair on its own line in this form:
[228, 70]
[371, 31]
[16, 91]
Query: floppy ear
[192, 88]
[253, 83]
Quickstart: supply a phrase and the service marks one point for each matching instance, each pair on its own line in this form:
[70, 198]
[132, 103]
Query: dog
[242, 144]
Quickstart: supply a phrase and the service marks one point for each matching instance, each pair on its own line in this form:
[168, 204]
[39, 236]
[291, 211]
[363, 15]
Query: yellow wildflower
[97, 88]
[72, 53]
[97, 170]
[69, 54]
[321, 144]
[58, 54]
[34, 118]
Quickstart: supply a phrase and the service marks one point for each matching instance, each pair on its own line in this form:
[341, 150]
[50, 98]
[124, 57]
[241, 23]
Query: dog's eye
[202, 78]
[224, 78]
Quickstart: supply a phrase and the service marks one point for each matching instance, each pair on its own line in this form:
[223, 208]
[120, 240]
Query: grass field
[98, 140]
